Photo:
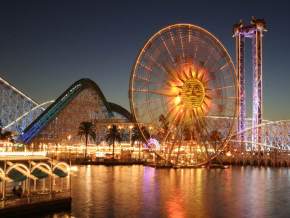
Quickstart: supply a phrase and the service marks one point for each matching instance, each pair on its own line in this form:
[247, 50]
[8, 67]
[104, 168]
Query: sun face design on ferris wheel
[190, 91]
[182, 77]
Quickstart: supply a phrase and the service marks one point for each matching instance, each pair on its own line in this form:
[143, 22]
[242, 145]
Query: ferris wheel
[182, 80]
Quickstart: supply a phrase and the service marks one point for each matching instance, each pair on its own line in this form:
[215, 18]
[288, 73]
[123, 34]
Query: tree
[146, 133]
[137, 136]
[113, 135]
[215, 137]
[5, 135]
[164, 122]
[87, 129]
[164, 128]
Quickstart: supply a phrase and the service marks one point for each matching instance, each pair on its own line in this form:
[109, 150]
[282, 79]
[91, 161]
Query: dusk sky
[47, 45]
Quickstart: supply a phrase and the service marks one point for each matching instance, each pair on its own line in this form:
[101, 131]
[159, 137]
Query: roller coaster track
[27, 113]
[59, 104]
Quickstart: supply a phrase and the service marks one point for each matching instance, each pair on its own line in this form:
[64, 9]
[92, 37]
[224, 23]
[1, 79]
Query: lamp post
[120, 142]
[150, 129]
[69, 147]
[130, 134]
[107, 144]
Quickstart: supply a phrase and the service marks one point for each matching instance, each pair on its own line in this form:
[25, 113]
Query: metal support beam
[257, 87]
[254, 31]
[240, 62]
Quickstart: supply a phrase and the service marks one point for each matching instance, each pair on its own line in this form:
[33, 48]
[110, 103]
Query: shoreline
[37, 208]
[214, 164]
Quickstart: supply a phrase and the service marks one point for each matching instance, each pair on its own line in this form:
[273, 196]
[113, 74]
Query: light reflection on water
[137, 191]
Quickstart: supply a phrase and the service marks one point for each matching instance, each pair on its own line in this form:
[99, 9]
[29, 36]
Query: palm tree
[146, 133]
[112, 136]
[6, 136]
[87, 129]
[215, 137]
[136, 136]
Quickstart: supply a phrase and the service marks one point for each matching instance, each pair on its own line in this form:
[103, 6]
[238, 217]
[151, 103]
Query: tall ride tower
[254, 31]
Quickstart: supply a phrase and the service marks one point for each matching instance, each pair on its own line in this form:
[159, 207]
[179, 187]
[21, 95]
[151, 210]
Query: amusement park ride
[185, 87]
[182, 78]
[254, 31]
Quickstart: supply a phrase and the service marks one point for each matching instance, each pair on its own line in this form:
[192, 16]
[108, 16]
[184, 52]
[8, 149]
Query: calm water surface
[137, 191]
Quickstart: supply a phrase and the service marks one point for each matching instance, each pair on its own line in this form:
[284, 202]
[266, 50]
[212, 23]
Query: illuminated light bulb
[228, 154]
[177, 100]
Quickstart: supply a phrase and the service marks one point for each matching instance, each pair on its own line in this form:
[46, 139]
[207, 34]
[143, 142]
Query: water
[137, 191]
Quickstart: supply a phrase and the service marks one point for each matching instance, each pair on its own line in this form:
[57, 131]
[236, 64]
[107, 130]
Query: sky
[47, 45]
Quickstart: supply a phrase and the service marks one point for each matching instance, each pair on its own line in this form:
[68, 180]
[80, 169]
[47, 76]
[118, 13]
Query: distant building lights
[38, 153]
